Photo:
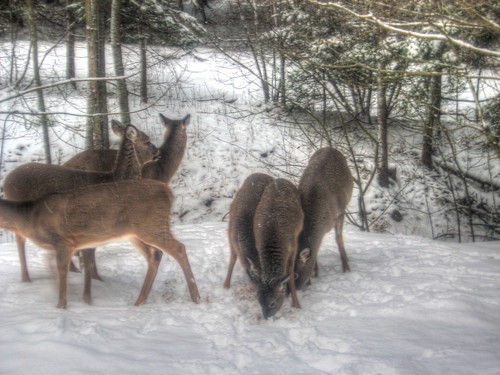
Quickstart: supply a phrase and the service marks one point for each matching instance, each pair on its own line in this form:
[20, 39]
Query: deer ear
[304, 255]
[285, 279]
[117, 127]
[131, 132]
[165, 121]
[252, 271]
[186, 120]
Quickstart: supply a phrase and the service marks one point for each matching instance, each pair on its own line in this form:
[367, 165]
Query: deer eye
[272, 305]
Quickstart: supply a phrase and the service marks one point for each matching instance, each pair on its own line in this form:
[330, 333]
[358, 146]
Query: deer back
[34, 180]
[277, 223]
[241, 215]
[325, 190]
[94, 214]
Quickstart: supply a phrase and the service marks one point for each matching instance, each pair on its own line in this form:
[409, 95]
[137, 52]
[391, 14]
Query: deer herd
[98, 196]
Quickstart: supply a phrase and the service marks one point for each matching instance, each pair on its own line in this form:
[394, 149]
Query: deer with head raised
[325, 190]
[96, 214]
[162, 169]
[265, 220]
[31, 181]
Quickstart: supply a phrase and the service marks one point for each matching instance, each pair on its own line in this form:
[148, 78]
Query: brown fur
[32, 181]
[325, 190]
[265, 221]
[171, 153]
[94, 215]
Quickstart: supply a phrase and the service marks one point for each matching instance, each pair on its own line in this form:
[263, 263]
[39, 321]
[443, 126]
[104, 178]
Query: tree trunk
[44, 120]
[143, 58]
[70, 41]
[434, 120]
[97, 127]
[383, 162]
[121, 85]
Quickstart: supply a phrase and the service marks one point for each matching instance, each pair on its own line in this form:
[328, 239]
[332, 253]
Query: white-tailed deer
[31, 181]
[265, 220]
[162, 169]
[325, 190]
[94, 215]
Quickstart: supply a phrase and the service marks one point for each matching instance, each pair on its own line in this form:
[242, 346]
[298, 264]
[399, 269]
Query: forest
[351, 74]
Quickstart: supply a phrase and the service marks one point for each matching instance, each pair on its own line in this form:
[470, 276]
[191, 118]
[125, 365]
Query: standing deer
[265, 220]
[31, 181]
[325, 190]
[96, 214]
[163, 169]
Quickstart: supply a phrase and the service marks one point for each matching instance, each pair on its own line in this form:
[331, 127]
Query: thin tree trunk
[121, 85]
[433, 122]
[383, 163]
[70, 41]
[44, 120]
[97, 127]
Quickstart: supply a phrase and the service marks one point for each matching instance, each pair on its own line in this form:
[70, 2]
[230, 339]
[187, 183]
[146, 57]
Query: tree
[121, 84]
[97, 123]
[44, 119]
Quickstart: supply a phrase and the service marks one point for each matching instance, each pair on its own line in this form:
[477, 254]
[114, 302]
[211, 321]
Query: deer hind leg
[232, 260]
[340, 243]
[63, 259]
[178, 251]
[291, 282]
[153, 257]
[21, 250]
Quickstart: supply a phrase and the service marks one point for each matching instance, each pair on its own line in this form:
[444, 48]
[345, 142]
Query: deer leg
[340, 243]
[232, 260]
[291, 282]
[63, 259]
[178, 251]
[88, 256]
[21, 250]
[88, 260]
[153, 257]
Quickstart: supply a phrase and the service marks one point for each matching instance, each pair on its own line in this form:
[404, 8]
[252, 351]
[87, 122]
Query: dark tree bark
[121, 85]
[97, 123]
[43, 117]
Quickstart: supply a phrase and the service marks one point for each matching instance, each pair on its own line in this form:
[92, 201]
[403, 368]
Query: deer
[137, 210]
[265, 220]
[325, 189]
[32, 181]
[163, 168]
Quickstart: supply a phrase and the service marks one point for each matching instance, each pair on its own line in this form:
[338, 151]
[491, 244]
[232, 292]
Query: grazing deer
[162, 169]
[96, 214]
[265, 220]
[30, 182]
[325, 190]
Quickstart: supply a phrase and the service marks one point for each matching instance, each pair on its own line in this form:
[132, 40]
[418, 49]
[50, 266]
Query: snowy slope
[410, 306]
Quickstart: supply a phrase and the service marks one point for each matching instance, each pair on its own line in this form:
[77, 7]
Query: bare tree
[44, 119]
[121, 84]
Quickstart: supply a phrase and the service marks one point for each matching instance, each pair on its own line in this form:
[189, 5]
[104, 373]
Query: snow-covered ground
[409, 306]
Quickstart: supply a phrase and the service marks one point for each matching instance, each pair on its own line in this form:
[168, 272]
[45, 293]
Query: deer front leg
[21, 250]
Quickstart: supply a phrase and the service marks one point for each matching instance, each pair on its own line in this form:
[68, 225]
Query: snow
[410, 305]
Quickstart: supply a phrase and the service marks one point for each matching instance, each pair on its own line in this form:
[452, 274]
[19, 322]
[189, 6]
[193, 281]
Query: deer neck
[171, 154]
[127, 164]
